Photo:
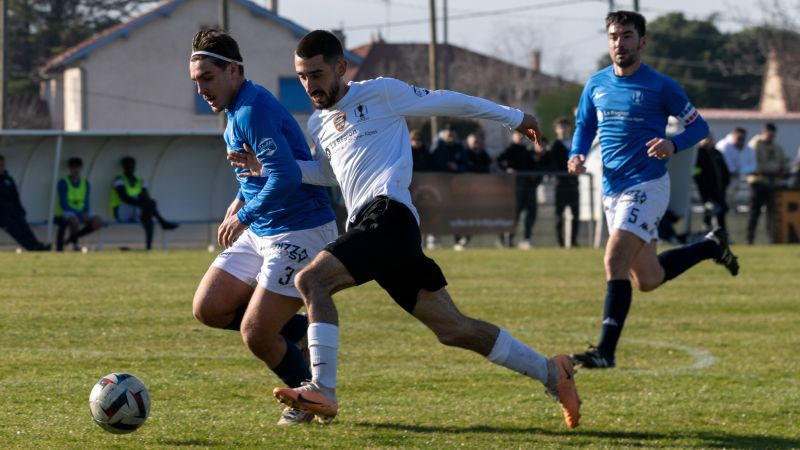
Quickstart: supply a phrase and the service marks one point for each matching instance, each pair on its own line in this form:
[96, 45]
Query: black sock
[296, 328]
[236, 323]
[618, 303]
[292, 368]
[679, 260]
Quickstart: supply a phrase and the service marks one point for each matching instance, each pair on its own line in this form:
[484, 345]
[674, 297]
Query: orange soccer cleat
[310, 398]
[563, 389]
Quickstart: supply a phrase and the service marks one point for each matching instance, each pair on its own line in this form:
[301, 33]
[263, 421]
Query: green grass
[68, 319]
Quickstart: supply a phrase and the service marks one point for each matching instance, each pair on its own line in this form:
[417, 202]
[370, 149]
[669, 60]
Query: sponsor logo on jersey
[361, 112]
[420, 92]
[267, 146]
[688, 114]
[339, 121]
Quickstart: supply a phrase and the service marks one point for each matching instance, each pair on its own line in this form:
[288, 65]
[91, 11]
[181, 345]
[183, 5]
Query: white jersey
[363, 142]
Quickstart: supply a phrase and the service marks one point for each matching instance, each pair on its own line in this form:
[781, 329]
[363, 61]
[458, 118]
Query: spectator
[12, 214]
[712, 178]
[421, 153]
[478, 159]
[566, 185]
[739, 157]
[772, 166]
[449, 154]
[131, 202]
[517, 158]
[73, 207]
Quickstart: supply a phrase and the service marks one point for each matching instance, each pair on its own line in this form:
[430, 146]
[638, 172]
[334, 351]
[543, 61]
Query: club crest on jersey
[267, 146]
[339, 121]
[361, 112]
[420, 92]
[637, 97]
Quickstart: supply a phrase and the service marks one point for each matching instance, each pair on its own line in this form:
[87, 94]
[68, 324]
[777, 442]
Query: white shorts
[639, 208]
[272, 261]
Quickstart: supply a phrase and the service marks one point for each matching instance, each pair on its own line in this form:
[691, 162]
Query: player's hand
[230, 229]
[660, 148]
[245, 160]
[575, 165]
[530, 127]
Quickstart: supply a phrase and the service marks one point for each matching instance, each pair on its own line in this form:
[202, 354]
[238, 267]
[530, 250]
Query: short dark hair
[627, 18]
[75, 162]
[320, 42]
[127, 160]
[769, 126]
[216, 40]
[740, 130]
[562, 121]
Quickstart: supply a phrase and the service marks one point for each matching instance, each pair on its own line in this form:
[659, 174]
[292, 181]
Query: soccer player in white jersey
[273, 228]
[361, 133]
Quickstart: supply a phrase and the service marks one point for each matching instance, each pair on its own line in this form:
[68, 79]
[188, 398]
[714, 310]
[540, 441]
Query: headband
[214, 55]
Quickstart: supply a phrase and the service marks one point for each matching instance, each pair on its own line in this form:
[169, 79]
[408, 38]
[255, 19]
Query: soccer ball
[119, 403]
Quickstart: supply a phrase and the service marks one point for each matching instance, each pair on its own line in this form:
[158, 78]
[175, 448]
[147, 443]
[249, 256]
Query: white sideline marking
[702, 358]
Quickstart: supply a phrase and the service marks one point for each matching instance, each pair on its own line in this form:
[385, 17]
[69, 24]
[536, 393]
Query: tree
[41, 29]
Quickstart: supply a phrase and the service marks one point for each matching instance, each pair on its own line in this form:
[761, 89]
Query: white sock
[513, 354]
[323, 345]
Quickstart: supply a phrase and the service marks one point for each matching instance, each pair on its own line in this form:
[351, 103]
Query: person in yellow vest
[131, 202]
[73, 207]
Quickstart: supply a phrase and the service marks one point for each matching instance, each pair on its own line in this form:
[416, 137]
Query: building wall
[142, 82]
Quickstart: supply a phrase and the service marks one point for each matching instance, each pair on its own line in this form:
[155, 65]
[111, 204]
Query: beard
[329, 97]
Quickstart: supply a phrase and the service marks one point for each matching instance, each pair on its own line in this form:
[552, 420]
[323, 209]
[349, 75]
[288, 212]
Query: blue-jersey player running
[629, 104]
[273, 228]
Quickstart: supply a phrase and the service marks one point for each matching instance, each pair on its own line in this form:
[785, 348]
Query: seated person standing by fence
[73, 207]
[12, 214]
[131, 202]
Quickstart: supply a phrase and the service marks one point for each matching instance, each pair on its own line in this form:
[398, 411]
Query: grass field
[707, 361]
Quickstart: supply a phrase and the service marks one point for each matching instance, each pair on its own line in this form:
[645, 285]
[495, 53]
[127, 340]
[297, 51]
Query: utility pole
[611, 6]
[432, 75]
[3, 68]
[446, 56]
[636, 5]
[223, 23]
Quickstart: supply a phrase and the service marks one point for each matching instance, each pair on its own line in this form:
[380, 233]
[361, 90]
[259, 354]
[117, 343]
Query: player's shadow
[619, 438]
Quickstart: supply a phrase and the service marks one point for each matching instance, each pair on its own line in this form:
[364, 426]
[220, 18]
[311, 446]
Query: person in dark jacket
[12, 214]
[712, 178]
[567, 195]
[517, 158]
[420, 152]
[450, 154]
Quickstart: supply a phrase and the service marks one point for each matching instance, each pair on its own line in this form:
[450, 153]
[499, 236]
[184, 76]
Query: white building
[135, 76]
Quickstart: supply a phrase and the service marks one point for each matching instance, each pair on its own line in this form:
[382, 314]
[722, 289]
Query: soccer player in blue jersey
[273, 228]
[629, 104]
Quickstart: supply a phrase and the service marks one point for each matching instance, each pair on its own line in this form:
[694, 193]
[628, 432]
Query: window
[293, 95]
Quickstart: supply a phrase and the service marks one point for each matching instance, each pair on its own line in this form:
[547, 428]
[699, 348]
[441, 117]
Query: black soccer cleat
[593, 359]
[725, 256]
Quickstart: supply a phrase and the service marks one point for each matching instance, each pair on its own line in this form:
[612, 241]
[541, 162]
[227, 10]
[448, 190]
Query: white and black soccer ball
[119, 403]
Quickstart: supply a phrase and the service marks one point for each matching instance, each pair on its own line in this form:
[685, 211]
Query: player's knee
[647, 283]
[202, 312]
[307, 281]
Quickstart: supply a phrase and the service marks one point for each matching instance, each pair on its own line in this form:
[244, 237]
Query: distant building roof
[164, 9]
[469, 72]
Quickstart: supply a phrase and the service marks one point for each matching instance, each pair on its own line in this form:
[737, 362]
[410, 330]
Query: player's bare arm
[660, 148]
[530, 127]
[575, 165]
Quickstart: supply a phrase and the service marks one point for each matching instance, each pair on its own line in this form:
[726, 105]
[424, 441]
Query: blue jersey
[278, 202]
[629, 111]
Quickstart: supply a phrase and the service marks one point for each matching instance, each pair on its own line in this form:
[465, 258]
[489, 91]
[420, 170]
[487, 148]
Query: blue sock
[293, 368]
[679, 260]
[618, 303]
[296, 328]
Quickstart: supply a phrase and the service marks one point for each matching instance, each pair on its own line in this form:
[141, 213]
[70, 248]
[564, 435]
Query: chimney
[272, 5]
[536, 61]
[339, 33]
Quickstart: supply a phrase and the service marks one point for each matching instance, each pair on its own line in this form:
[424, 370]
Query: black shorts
[383, 243]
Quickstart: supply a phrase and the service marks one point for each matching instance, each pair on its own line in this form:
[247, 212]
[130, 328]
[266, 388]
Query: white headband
[214, 55]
